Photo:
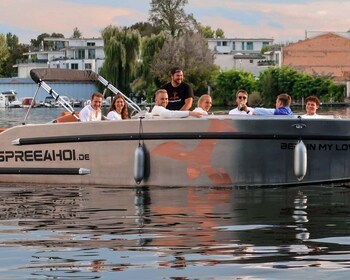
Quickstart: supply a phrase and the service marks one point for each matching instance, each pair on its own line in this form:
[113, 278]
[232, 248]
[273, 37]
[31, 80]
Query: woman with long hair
[118, 109]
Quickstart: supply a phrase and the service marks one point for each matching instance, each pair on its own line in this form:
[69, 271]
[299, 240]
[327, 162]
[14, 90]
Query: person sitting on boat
[159, 109]
[118, 109]
[241, 100]
[283, 102]
[312, 104]
[204, 104]
[180, 93]
[92, 111]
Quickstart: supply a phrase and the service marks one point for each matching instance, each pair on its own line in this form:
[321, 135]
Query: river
[116, 232]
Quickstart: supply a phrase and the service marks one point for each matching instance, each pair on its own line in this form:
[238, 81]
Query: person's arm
[188, 104]
[263, 111]
[169, 114]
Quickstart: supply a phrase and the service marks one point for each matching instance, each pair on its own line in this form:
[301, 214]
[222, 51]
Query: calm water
[84, 232]
[95, 232]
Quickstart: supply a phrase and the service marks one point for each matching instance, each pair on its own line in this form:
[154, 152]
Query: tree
[274, 81]
[206, 31]
[121, 47]
[226, 83]
[4, 53]
[219, 33]
[145, 29]
[39, 43]
[170, 16]
[76, 33]
[189, 51]
[146, 83]
[12, 40]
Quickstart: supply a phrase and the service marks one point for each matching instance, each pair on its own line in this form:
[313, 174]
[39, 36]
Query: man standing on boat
[161, 102]
[92, 111]
[180, 93]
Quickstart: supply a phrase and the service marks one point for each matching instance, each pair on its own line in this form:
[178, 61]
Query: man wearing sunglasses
[241, 100]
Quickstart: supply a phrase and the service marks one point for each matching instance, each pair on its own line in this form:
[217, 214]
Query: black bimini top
[62, 75]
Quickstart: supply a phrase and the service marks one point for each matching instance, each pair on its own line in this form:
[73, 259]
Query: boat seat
[66, 117]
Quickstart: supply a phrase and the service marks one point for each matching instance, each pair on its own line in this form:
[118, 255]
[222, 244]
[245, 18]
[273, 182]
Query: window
[266, 44]
[80, 54]
[90, 44]
[250, 46]
[242, 48]
[233, 46]
[88, 66]
[219, 43]
[92, 54]
[74, 66]
[224, 43]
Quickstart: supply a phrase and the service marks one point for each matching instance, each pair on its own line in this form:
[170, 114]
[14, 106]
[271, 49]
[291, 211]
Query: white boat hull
[218, 151]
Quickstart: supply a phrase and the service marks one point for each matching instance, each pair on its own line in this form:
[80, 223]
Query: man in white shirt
[159, 109]
[92, 111]
[241, 100]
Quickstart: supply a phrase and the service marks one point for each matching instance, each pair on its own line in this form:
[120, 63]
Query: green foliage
[170, 16]
[121, 48]
[226, 84]
[190, 52]
[206, 31]
[39, 42]
[146, 29]
[219, 33]
[76, 33]
[209, 33]
[298, 85]
[4, 53]
[274, 81]
[145, 81]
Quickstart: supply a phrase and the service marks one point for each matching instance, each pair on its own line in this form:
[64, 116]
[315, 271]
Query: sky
[282, 20]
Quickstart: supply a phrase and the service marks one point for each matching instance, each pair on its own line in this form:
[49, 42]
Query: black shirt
[177, 95]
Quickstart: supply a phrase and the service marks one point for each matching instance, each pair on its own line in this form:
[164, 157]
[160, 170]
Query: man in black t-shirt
[180, 94]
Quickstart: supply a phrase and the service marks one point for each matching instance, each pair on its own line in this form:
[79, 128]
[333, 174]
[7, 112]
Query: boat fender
[300, 160]
[139, 164]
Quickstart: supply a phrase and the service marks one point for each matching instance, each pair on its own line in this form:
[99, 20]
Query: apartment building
[239, 53]
[65, 53]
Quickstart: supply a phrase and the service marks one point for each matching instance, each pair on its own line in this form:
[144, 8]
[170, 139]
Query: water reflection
[300, 216]
[94, 232]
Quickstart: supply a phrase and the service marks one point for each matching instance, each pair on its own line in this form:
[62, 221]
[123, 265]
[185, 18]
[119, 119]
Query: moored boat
[8, 99]
[28, 102]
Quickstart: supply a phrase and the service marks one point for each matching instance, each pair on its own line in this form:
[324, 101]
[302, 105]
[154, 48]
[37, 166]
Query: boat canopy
[67, 75]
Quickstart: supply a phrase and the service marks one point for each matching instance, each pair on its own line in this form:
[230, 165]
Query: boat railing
[112, 88]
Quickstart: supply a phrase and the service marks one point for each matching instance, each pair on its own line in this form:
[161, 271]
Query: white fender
[300, 160]
[139, 164]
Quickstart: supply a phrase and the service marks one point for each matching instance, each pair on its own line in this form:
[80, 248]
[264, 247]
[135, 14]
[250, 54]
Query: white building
[239, 53]
[66, 53]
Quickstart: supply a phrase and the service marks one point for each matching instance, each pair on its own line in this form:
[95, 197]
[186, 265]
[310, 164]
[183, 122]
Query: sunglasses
[242, 97]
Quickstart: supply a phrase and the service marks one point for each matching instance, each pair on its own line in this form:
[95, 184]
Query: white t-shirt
[114, 116]
[168, 114]
[88, 114]
[200, 110]
[236, 111]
